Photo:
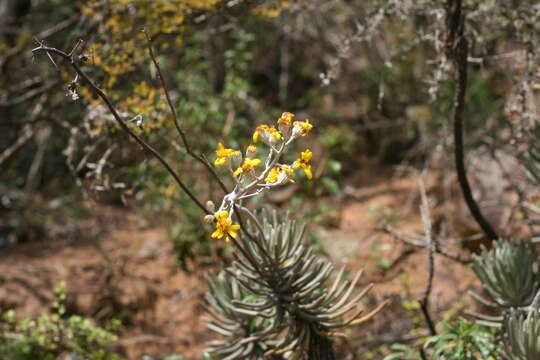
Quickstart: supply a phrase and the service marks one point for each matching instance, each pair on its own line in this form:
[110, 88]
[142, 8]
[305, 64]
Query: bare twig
[73, 62]
[41, 138]
[457, 49]
[30, 94]
[419, 242]
[27, 132]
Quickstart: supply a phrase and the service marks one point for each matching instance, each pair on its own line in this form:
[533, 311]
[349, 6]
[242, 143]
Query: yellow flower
[258, 131]
[269, 134]
[224, 226]
[222, 154]
[286, 119]
[302, 161]
[275, 133]
[248, 165]
[272, 175]
[279, 175]
[251, 149]
[302, 128]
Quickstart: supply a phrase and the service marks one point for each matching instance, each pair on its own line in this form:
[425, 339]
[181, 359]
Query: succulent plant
[508, 274]
[522, 334]
[238, 327]
[274, 299]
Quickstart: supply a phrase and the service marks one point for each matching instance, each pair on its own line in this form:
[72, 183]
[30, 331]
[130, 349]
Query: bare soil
[128, 271]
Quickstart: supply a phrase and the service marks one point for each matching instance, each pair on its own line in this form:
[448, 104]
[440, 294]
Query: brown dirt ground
[130, 273]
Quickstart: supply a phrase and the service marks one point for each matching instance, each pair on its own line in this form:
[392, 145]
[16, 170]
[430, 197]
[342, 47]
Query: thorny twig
[74, 64]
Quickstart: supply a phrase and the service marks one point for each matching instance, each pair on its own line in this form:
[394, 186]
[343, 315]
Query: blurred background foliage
[368, 74]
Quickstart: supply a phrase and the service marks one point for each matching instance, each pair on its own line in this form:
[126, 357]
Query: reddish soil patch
[130, 273]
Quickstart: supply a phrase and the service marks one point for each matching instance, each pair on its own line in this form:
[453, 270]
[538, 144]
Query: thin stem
[261, 231]
[431, 246]
[198, 157]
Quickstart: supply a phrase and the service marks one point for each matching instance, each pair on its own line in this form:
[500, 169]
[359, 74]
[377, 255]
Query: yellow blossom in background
[120, 50]
[251, 149]
[303, 162]
[303, 127]
[286, 119]
[224, 226]
[222, 154]
[248, 165]
[273, 9]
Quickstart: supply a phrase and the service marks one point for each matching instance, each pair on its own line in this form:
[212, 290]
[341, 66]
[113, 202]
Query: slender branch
[431, 246]
[30, 94]
[117, 117]
[259, 227]
[27, 131]
[243, 228]
[198, 157]
[26, 134]
[457, 49]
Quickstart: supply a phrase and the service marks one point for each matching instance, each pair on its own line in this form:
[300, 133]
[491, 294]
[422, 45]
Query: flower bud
[210, 206]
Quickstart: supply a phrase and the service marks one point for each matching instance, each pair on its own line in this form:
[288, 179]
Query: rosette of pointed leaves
[237, 326]
[508, 274]
[522, 334]
[287, 284]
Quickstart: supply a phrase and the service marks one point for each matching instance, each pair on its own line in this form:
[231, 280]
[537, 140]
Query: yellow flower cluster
[273, 174]
[286, 119]
[222, 154]
[303, 162]
[268, 133]
[248, 165]
[304, 127]
[224, 226]
[279, 174]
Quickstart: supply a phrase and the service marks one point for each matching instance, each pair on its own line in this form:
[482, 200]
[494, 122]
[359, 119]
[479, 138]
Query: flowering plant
[249, 182]
[273, 300]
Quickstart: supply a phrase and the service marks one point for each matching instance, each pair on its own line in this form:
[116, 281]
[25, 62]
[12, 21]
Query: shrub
[52, 335]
